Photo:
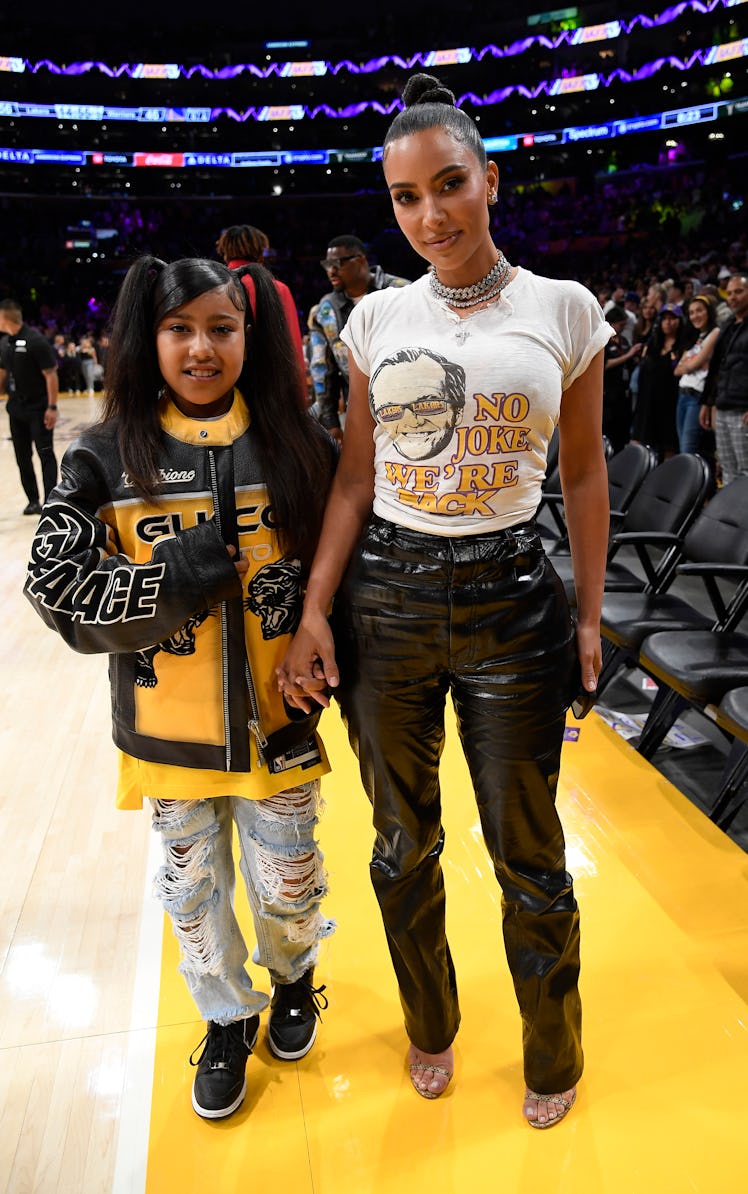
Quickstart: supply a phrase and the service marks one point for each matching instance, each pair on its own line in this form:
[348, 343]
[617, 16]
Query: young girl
[176, 542]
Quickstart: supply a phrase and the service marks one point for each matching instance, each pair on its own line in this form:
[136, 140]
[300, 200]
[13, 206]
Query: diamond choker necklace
[480, 292]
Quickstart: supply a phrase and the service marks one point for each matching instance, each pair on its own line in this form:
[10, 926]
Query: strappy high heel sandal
[557, 1100]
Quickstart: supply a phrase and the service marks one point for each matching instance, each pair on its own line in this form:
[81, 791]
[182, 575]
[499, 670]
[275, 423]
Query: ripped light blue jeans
[285, 879]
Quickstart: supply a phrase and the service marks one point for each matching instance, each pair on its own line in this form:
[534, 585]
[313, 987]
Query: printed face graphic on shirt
[418, 397]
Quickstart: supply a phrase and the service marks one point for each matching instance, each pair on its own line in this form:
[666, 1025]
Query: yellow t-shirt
[139, 781]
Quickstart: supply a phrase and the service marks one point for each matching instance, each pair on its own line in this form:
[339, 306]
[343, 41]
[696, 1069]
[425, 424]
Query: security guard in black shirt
[28, 369]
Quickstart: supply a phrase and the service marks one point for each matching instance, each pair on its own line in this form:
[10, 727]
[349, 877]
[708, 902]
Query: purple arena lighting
[562, 85]
[426, 58]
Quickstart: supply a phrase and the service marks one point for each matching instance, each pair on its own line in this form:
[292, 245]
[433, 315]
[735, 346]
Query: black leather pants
[485, 618]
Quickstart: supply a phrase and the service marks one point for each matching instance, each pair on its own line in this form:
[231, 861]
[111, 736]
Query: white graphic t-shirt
[464, 408]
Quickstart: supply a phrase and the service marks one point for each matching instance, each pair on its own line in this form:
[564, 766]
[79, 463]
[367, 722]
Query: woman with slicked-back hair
[429, 542]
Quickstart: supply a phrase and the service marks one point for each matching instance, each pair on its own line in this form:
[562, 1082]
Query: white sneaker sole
[285, 1056]
[221, 1112]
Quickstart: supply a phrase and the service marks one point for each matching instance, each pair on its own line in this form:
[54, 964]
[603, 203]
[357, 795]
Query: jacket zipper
[224, 621]
[254, 723]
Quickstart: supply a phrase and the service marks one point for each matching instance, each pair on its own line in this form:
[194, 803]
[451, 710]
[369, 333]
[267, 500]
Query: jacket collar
[205, 433]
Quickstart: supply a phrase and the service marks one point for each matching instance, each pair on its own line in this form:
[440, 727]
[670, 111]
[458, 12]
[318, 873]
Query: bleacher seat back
[720, 533]
[626, 472]
[670, 495]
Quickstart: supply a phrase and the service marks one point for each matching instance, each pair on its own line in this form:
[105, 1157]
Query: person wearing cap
[692, 370]
[351, 277]
[725, 407]
[654, 417]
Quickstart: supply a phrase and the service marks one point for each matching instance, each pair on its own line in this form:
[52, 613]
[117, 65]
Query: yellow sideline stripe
[664, 898]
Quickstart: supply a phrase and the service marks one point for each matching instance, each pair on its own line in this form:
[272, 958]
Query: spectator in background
[351, 277]
[642, 330]
[309, 359]
[722, 307]
[654, 417]
[616, 297]
[28, 369]
[723, 277]
[89, 361]
[102, 352]
[620, 355]
[657, 295]
[241, 244]
[726, 391]
[644, 325]
[692, 369]
[631, 303]
[72, 370]
[58, 347]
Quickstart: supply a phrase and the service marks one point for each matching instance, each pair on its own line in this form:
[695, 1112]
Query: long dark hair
[656, 341]
[711, 322]
[429, 104]
[296, 454]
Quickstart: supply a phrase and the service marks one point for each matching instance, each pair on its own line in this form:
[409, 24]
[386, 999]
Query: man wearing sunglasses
[351, 277]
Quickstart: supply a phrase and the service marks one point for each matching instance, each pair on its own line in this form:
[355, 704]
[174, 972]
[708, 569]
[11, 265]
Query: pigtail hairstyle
[429, 104]
[132, 379]
[297, 454]
[133, 382]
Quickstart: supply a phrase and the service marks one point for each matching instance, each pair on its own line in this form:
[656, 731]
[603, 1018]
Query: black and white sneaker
[220, 1083]
[294, 1011]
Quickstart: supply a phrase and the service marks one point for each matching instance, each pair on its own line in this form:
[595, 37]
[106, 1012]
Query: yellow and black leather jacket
[193, 647]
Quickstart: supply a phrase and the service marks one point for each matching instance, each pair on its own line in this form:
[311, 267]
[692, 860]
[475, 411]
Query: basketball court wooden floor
[96, 1027]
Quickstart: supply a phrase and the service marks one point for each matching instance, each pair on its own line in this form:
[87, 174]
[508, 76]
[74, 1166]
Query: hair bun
[425, 89]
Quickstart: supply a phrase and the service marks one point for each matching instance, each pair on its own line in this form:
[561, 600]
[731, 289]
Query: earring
[492, 196]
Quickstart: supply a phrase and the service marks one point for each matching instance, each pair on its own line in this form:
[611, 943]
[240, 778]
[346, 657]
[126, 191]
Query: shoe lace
[318, 999]
[296, 995]
[221, 1046]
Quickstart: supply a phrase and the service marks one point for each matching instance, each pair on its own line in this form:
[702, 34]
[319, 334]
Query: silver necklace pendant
[461, 334]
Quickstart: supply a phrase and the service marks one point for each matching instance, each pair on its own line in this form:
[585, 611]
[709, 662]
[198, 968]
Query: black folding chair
[696, 668]
[626, 472]
[731, 715]
[715, 549]
[654, 526]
